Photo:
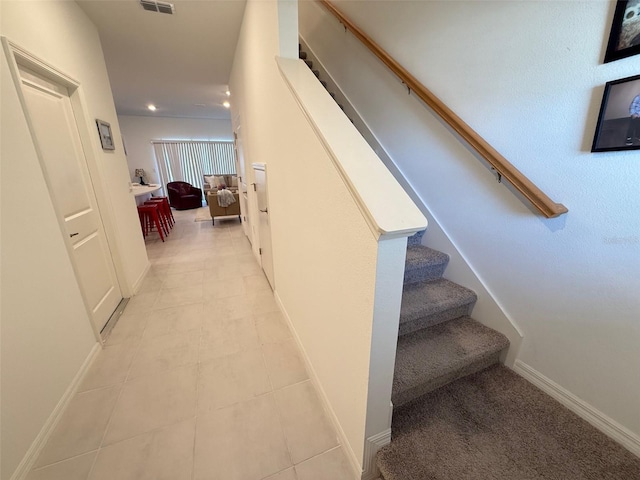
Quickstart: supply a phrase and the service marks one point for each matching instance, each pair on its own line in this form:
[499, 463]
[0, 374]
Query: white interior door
[51, 115]
[264, 226]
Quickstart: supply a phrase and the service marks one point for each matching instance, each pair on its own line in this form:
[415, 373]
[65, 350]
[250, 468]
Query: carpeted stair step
[302, 55]
[416, 238]
[438, 355]
[424, 264]
[495, 425]
[429, 303]
[316, 73]
[309, 63]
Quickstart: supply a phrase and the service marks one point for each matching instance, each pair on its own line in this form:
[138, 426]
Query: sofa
[217, 211]
[211, 182]
[183, 195]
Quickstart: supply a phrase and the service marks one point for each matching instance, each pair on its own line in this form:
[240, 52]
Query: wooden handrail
[502, 166]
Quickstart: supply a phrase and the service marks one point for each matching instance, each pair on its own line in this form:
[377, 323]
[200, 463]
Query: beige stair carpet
[494, 425]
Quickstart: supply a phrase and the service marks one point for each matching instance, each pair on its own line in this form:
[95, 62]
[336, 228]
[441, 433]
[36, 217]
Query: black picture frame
[616, 128]
[106, 137]
[624, 39]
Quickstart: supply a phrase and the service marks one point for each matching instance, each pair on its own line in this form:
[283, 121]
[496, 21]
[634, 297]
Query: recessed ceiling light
[151, 107]
[228, 93]
[226, 104]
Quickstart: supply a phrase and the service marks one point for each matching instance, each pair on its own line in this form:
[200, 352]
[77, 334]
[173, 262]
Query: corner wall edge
[29, 459]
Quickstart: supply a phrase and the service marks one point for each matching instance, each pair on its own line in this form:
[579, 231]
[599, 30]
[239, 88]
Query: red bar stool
[148, 218]
[164, 220]
[143, 221]
[167, 209]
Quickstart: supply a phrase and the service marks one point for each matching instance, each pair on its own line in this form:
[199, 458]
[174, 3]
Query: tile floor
[200, 378]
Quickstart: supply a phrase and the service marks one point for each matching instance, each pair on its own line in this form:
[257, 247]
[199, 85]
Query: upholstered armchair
[183, 195]
[217, 211]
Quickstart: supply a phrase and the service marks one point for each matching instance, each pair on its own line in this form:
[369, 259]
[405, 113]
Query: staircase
[458, 413]
[303, 56]
[438, 341]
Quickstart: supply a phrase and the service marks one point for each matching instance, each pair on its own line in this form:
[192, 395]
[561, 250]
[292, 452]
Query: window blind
[190, 161]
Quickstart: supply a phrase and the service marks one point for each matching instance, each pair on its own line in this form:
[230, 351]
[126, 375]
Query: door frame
[262, 167]
[16, 55]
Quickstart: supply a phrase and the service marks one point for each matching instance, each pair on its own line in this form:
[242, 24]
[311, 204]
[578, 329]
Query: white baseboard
[138, 282]
[371, 447]
[38, 444]
[606, 425]
[351, 456]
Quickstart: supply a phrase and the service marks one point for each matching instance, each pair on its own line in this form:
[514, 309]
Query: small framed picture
[618, 125]
[624, 39]
[106, 137]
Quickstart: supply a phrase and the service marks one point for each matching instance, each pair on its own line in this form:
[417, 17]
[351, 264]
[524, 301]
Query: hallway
[200, 378]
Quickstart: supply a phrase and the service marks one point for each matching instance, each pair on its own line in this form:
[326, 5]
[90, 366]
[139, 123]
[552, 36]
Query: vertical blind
[190, 161]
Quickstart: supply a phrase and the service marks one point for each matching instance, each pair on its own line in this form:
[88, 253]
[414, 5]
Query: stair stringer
[487, 310]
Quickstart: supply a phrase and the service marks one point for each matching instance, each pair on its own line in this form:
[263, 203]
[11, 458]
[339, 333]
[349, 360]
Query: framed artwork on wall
[624, 39]
[106, 137]
[618, 125]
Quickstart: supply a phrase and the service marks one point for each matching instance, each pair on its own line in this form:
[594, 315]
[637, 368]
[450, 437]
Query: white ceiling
[172, 61]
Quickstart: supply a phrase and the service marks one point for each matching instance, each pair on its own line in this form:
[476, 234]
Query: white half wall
[529, 78]
[46, 333]
[139, 131]
[485, 310]
[309, 241]
[337, 278]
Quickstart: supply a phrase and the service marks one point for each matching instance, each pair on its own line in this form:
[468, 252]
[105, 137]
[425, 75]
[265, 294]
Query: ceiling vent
[160, 7]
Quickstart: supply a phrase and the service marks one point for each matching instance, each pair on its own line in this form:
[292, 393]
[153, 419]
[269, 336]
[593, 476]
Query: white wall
[46, 333]
[528, 76]
[138, 132]
[326, 258]
[485, 310]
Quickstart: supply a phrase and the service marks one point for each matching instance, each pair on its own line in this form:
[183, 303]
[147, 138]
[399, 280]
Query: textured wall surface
[325, 255]
[532, 88]
[46, 333]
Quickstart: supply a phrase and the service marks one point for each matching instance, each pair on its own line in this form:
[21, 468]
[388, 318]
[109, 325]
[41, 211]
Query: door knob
[266, 210]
